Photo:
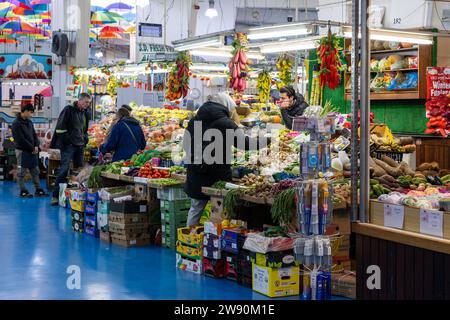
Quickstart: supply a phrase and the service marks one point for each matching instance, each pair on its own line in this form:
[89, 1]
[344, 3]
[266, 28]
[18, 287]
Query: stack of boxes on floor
[190, 249]
[3, 167]
[174, 206]
[77, 199]
[90, 214]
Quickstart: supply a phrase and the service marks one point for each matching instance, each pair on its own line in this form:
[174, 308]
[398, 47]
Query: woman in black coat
[216, 114]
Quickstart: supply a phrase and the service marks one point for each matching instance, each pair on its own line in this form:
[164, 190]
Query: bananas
[284, 66]
[263, 84]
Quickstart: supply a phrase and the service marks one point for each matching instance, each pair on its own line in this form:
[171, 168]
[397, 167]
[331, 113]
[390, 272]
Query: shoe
[55, 202]
[40, 193]
[25, 194]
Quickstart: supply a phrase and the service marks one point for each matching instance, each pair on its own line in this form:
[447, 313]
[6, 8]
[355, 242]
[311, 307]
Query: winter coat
[25, 137]
[71, 128]
[121, 141]
[211, 116]
[296, 110]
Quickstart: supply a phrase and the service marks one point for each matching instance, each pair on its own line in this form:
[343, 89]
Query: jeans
[21, 172]
[195, 212]
[68, 153]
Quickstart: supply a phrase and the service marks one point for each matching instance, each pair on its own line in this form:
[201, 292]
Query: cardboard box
[411, 218]
[344, 284]
[190, 252]
[77, 226]
[128, 229]
[214, 267]
[274, 259]
[129, 207]
[190, 265]
[105, 236]
[131, 218]
[213, 228]
[192, 239]
[231, 263]
[77, 216]
[342, 251]
[276, 282]
[212, 241]
[126, 241]
[231, 238]
[341, 218]
[212, 253]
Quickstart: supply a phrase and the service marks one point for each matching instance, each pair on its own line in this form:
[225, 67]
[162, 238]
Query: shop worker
[292, 105]
[71, 137]
[217, 113]
[125, 137]
[27, 151]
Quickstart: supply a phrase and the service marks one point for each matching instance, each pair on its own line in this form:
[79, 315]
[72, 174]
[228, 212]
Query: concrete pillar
[70, 15]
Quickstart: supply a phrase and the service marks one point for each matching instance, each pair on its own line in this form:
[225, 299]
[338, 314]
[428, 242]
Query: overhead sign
[150, 30]
[438, 82]
[155, 52]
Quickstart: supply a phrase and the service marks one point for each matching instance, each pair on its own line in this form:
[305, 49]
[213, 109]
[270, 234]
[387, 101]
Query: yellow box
[188, 251]
[276, 282]
[76, 205]
[194, 239]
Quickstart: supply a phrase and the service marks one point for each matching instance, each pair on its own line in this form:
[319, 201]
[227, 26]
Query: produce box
[169, 241]
[244, 263]
[77, 216]
[92, 197]
[90, 219]
[193, 239]
[90, 208]
[91, 230]
[214, 268]
[105, 236]
[129, 206]
[274, 259]
[230, 240]
[231, 262]
[342, 253]
[128, 218]
[245, 280]
[172, 194]
[176, 205]
[212, 241]
[174, 218]
[77, 194]
[103, 206]
[77, 226]
[341, 265]
[276, 282]
[212, 253]
[341, 218]
[344, 284]
[128, 229]
[190, 252]
[135, 241]
[188, 264]
[172, 229]
[258, 242]
[213, 228]
[76, 205]
[411, 218]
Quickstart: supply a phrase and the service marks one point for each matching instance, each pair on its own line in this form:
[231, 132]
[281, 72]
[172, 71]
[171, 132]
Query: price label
[140, 180]
[394, 216]
[431, 222]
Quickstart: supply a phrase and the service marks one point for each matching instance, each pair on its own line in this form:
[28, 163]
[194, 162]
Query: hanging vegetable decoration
[178, 82]
[111, 88]
[438, 114]
[330, 62]
[239, 64]
[263, 84]
[284, 66]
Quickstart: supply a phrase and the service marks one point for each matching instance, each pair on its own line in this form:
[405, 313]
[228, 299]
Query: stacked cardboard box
[128, 223]
[190, 250]
[232, 241]
[213, 257]
[145, 193]
[344, 284]
[90, 214]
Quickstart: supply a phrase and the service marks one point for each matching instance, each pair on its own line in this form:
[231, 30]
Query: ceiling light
[394, 35]
[207, 67]
[211, 12]
[200, 43]
[305, 44]
[99, 54]
[279, 31]
[224, 52]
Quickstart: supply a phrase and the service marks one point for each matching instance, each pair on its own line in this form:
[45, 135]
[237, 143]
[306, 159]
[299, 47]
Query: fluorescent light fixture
[200, 43]
[224, 52]
[206, 67]
[294, 45]
[394, 35]
[211, 12]
[99, 54]
[279, 31]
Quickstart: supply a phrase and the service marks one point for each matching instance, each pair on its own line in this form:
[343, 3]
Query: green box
[169, 241]
[174, 218]
[172, 229]
[175, 205]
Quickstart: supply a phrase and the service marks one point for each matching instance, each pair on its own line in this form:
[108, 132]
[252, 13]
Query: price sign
[394, 216]
[140, 180]
[431, 222]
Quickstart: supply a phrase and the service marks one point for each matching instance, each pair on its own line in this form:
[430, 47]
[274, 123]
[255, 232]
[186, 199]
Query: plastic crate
[172, 218]
[76, 205]
[172, 194]
[169, 241]
[176, 205]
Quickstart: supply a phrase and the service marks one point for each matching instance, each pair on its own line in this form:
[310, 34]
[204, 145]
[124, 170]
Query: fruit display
[263, 84]
[401, 145]
[284, 66]
[330, 62]
[178, 82]
[239, 64]
[154, 116]
[151, 173]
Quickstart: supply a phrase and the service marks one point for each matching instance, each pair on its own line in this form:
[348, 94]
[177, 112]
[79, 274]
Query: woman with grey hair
[216, 114]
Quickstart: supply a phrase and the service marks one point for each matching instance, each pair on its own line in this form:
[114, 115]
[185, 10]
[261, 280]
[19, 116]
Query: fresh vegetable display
[438, 114]
[279, 187]
[95, 179]
[263, 84]
[330, 62]
[230, 201]
[284, 66]
[239, 64]
[316, 90]
[283, 207]
[178, 82]
[177, 170]
[147, 171]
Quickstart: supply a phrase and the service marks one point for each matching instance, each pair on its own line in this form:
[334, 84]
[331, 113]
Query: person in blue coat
[125, 138]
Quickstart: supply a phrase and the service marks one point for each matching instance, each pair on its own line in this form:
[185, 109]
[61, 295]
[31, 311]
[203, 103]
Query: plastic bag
[83, 177]
[62, 195]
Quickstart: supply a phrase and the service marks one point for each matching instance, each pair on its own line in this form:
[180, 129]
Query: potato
[389, 161]
[424, 166]
[406, 169]
[395, 172]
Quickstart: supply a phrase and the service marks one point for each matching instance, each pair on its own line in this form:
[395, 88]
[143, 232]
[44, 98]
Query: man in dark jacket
[126, 137]
[27, 150]
[201, 172]
[292, 105]
[71, 137]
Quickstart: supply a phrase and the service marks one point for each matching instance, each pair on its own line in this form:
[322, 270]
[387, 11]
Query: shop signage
[438, 82]
[155, 52]
[431, 222]
[394, 215]
[25, 66]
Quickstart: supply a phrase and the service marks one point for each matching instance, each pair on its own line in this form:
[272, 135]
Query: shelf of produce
[373, 71]
[390, 95]
[347, 52]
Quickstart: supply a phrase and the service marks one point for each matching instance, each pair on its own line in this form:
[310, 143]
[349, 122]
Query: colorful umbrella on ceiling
[35, 2]
[109, 35]
[119, 6]
[100, 18]
[115, 29]
[18, 3]
[131, 29]
[23, 11]
[18, 27]
[129, 16]
[97, 9]
[47, 92]
[5, 5]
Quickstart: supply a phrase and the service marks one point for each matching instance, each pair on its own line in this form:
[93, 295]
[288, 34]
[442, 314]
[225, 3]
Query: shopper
[217, 114]
[70, 138]
[27, 150]
[292, 105]
[125, 138]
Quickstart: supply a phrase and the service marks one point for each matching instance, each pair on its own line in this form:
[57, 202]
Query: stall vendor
[292, 105]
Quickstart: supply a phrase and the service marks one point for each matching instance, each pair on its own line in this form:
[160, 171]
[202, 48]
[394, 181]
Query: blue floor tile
[37, 245]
